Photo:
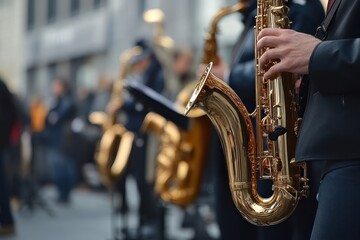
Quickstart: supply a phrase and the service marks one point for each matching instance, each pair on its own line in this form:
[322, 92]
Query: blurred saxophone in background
[163, 47]
[182, 153]
[210, 46]
[156, 16]
[180, 159]
[115, 145]
[270, 153]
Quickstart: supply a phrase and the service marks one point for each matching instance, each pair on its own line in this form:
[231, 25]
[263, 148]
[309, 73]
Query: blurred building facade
[12, 42]
[80, 39]
[64, 38]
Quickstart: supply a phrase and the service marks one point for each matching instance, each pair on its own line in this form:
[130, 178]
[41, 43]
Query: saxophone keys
[265, 168]
[278, 131]
[269, 167]
[266, 124]
[280, 10]
[283, 22]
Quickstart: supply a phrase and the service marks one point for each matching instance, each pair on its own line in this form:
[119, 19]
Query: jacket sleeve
[241, 80]
[334, 67]
[61, 113]
[7, 114]
[66, 110]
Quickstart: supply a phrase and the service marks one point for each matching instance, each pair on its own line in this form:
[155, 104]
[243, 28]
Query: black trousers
[338, 213]
[137, 168]
[6, 218]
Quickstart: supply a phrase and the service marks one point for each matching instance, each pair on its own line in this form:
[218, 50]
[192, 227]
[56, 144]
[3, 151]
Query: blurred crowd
[47, 143]
[55, 143]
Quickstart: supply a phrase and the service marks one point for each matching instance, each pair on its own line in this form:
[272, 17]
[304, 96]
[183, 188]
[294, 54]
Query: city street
[88, 217]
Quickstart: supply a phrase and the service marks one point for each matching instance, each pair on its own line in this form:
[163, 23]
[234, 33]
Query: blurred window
[142, 7]
[3, 2]
[231, 2]
[51, 71]
[30, 83]
[99, 3]
[30, 14]
[51, 10]
[75, 7]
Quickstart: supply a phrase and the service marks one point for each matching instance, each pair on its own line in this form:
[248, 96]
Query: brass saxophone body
[180, 160]
[268, 154]
[115, 145]
[182, 154]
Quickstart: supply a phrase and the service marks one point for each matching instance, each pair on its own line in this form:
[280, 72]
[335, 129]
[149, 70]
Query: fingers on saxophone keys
[270, 63]
[274, 71]
[269, 32]
[267, 42]
[270, 58]
[270, 39]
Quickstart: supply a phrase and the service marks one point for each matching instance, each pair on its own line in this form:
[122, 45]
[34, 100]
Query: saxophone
[181, 157]
[210, 46]
[270, 153]
[182, 153]
[115, 145]
[156, 16]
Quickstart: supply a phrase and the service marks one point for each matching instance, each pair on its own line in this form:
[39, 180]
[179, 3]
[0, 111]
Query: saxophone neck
[125, 68]
[210, 46]
[126, 61]
[240, 6]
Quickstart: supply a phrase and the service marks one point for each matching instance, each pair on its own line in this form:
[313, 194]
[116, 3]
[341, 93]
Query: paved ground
[88, 217]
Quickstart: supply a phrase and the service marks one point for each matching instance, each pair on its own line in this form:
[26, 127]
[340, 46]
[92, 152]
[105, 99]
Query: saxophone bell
[234, 127]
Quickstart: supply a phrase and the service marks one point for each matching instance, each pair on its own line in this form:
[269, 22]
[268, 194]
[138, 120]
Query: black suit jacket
[153, 77]
[330, 127]
[8, 115]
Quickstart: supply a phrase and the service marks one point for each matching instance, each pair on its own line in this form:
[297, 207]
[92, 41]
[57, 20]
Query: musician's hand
[218, 70]
[291, 49]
